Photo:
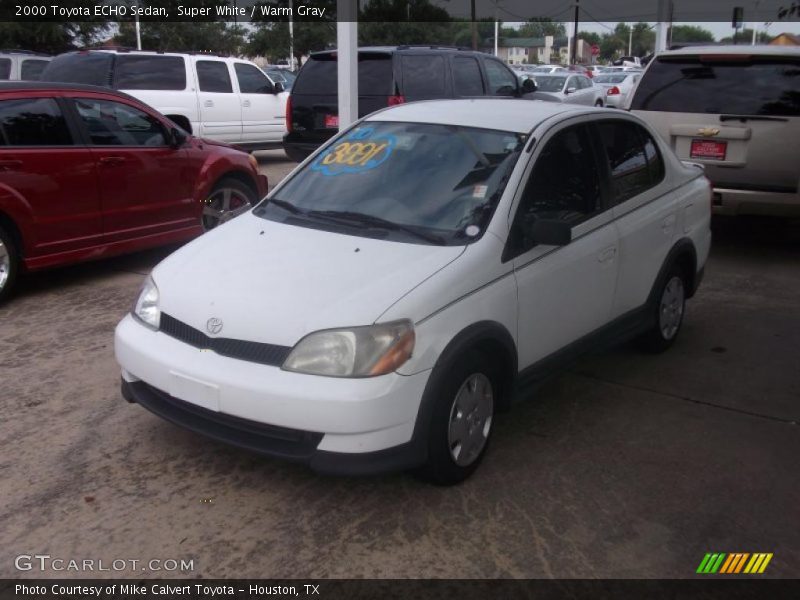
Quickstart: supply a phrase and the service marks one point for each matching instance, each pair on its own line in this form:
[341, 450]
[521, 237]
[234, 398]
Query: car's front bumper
[335, 425]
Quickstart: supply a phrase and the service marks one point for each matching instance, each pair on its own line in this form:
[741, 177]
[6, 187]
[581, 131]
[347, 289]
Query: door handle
[607, 254]
[246, 103]
[208, 103]
[9, 165]
[111, 161]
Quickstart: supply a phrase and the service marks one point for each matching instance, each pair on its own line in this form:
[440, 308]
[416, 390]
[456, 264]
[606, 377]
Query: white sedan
[401, 284]
[568, 88]
[618, 86]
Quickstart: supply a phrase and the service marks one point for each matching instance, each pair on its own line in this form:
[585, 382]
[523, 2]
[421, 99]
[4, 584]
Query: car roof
[52, 86]
[765, 50]
[422, 49]
[134, 52]
[501, 114]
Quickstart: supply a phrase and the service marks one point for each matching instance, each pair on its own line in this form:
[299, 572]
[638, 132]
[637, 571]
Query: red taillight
[289, 114]
[612, 91]
[395, 100]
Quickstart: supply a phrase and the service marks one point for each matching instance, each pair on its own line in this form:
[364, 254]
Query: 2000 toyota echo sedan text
[389, 296]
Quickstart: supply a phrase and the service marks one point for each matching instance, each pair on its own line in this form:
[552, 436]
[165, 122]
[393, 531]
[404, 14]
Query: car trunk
[739, 115]
[315, 111]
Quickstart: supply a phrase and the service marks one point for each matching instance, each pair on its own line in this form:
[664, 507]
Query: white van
[220, 98]
[21, 64]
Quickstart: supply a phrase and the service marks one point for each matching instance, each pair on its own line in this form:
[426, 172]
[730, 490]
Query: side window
[585, 82]
[423, 76]
[502, 82]
[31, 69]
[467, 77]
[627, 160]
[213, 76]
[251, 79]
[142, 72]
[5, 68]
[563, 185]
[115, 124]
[33, 122]
[655, 164]
[572, 83]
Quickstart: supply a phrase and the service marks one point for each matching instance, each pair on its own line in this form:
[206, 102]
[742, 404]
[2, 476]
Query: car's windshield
[609, 78]
[441, 181]
[550, 84]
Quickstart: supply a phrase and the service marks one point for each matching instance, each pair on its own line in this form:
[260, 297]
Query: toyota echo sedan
[392, 293]
[87, 173]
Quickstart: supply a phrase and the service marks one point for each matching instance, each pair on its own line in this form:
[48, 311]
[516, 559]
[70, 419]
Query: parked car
[22, 65]
[395, 289]
[618, 87]
[87, 173]
[623, 70]
[219, 98]
[571, 89]
[283, 76]
[595, 70]
[548, 69]
[581, 69]
[736, 110]
[628, 61]
[388, 76]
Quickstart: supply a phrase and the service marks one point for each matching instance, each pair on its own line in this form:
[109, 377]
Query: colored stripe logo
[734, 563]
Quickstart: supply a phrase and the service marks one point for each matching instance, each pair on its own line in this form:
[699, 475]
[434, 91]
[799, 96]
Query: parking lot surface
[626, 465]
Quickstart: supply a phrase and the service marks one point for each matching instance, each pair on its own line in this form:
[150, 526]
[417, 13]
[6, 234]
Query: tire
[669, 309]
[461, 422]
[295, 155]
[599, 104]
[9, 264]
[228, 199]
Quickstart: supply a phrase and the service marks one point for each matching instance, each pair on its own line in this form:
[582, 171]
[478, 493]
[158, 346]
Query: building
[531, 51]
[786, 39]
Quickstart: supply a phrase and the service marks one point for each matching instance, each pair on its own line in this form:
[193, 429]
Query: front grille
[265, 354]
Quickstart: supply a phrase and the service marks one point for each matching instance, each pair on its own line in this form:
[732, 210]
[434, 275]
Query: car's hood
[274, 283]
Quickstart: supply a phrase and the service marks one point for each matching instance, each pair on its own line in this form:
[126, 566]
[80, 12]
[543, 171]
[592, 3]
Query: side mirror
[528, 86]
[551, 232]
[277, 87]
[570, 90]
[177, 137]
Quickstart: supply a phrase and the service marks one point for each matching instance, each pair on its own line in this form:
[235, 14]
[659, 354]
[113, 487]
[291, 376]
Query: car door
[467, 79]
[646, 213]
[565, 292]
[263, 110]
[220, 105]
[47, 177]
[572, 91]
[145, 184]
[501, 80]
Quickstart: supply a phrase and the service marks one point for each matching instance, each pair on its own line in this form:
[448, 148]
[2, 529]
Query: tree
[745, 36]
[197, 36]
[539, 28]
[50, 38]
[690, 33]
[272, 39]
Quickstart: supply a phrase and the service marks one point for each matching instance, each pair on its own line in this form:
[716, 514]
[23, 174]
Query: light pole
[291, 36]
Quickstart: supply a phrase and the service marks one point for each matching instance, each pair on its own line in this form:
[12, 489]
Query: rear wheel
[669, 309]
[461, 423]
[9, 264]
[599, 103]
[229, 199]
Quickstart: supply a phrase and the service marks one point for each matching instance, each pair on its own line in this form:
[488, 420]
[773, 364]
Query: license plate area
[194, 391]
[332, 121]
[708, 149]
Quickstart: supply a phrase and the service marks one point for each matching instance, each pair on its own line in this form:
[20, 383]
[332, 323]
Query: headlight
[146, 307]
[354, 352]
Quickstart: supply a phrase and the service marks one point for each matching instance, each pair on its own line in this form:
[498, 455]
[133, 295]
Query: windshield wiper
[288, 206]
[351, 217]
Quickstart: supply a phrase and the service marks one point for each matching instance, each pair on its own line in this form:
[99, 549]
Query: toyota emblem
[214, 325]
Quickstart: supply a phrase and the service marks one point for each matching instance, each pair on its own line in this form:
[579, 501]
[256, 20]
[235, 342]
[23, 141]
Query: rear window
[32, 122]
[32, 68]
[150, 73]
[729, 85]
[319, 75]
[609, 78]
[5, 68]
[423, 75]
[92, 68]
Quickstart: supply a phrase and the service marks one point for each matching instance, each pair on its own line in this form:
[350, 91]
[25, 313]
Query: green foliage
[51, 38]
[539, 28]
[745, 36]
[198, 36]
[690, 33]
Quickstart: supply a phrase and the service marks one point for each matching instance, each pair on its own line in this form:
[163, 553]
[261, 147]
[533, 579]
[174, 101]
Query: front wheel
[461, 423]
[229, 199]
[669, 309]
[9, 264]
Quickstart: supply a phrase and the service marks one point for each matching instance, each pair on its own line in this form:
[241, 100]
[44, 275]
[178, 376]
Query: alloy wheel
[222, 205]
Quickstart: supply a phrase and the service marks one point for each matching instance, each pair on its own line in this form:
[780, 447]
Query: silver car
[568, 88]
[617, 86]
[736, 110]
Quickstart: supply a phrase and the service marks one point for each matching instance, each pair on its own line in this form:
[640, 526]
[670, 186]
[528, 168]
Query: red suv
[88, 173]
